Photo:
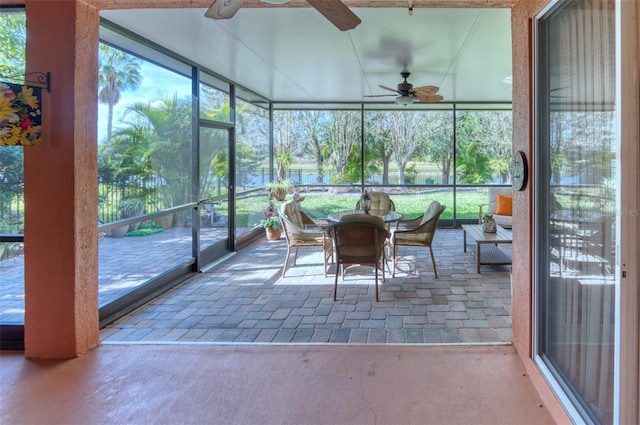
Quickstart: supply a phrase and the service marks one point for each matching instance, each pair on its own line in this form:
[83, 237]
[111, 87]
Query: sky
[157, 83]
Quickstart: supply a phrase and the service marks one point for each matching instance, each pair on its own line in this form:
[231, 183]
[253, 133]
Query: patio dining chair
[379, 201]
[418, 232]
[359, 240]
[299, 233]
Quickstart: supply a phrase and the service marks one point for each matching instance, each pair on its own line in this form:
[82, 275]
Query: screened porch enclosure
[200, 181]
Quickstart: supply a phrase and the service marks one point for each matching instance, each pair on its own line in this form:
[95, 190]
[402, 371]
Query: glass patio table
[387, 216]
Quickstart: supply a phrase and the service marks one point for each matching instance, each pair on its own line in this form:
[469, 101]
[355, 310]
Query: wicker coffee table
[490, 254]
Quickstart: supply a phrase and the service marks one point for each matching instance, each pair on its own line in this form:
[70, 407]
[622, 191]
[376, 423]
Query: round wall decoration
[519, 171]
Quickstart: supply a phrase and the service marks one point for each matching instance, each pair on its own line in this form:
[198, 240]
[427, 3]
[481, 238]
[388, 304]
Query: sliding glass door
[577, 152]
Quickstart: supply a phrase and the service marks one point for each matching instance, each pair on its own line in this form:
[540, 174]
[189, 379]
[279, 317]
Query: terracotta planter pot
[165, 221]
[273, 234]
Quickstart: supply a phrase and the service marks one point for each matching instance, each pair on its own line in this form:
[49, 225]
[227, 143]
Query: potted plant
[128, 207]
[278, 190]
[164, 221]
[131, 207]
[271, 224]
[488, 224]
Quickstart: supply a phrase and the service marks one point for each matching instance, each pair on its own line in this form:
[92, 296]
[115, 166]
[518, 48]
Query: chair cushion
[290, 210]
[504, 205]
[380, 201]
[411, 239]
[434, 209]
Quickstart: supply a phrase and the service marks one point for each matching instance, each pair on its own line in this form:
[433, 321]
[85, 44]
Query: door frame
[627, 360]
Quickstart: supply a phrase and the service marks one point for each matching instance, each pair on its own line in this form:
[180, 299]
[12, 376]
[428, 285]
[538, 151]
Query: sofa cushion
[504, 205]
[505, 221]
[492, 198]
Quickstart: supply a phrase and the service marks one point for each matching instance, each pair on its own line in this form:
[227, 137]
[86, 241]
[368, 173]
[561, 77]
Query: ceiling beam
[194, 4]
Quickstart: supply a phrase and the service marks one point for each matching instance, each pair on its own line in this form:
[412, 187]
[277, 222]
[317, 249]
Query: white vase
[489, 226]
[119, 232]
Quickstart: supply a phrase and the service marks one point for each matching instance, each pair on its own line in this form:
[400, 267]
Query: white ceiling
[295, 54]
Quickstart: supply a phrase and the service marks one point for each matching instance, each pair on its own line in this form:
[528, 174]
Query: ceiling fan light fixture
[404, 100]
[275, 1]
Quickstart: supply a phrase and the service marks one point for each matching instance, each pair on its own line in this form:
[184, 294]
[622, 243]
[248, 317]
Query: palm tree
[13, 42]
[118, 72]
[169, 124]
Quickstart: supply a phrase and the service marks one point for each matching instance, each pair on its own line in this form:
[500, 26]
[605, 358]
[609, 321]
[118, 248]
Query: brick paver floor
[243, 299]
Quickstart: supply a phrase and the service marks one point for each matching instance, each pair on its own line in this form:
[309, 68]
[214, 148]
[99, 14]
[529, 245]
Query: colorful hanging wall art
[20, 115]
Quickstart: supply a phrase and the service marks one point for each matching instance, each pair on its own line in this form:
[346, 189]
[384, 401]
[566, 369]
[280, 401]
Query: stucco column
[522, 271]
[60, 175]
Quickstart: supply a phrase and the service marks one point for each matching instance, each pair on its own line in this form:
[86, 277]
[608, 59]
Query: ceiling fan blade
[337, 13]
[425, 90]
[430, 98]
[389, 88]
[380, 95]
[224, 9]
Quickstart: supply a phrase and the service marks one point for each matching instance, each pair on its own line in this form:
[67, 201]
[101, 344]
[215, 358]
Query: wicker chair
[300, 233]
[379, 201]
[418, 232]
[359, 240]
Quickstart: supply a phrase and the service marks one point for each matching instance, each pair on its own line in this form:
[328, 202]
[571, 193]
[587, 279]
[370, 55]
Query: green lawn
[250, 209]
[321, 204]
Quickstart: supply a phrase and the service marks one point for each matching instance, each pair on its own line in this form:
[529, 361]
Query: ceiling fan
[406, 94]
[334, 10]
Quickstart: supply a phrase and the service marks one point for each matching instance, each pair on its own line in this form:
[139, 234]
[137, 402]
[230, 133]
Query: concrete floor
[171, 363]
[272, 384]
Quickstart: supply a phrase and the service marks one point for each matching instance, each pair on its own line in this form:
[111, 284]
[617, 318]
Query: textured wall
[522, 271]
[61, 250]
[522, 13]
